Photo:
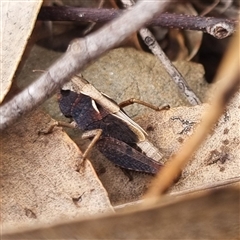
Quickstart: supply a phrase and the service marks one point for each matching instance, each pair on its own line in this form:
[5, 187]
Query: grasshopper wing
[126, 156]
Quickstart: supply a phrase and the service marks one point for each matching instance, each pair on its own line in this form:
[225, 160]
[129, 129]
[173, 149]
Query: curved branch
[79, 53]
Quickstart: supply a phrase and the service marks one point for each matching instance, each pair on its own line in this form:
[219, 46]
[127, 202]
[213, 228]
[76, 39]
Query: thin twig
[217, 27]
[176, 76]
[80, 52]
[229, 76]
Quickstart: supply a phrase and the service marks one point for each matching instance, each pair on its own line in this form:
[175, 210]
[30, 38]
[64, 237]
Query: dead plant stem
[223, 27]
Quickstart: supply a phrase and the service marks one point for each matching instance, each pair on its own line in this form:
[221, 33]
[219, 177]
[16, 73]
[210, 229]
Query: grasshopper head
[66, 99]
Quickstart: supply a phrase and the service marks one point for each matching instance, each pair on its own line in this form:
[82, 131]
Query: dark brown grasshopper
[116, 136]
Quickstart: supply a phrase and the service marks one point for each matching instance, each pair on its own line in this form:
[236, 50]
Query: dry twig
[217, 27]
[176, 76]
[80, 52]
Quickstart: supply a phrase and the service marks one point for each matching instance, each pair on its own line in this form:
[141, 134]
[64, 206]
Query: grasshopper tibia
[134, 100]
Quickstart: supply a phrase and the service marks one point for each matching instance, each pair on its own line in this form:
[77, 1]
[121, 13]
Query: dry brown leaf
[216, 161]
[18, 19]
[125, 73]
[39, 181]
[122, 73]
[212, 215]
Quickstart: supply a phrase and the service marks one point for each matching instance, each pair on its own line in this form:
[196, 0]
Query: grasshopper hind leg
[134, 100]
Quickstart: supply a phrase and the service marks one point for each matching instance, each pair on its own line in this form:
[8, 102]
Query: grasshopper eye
[94, 105]
[65, 93]
[65, 99]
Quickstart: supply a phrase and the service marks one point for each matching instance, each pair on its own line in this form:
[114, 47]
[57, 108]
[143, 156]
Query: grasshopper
[111, 130]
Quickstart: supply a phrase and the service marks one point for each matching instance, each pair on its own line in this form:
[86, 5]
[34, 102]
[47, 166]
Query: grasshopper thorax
[81, 108]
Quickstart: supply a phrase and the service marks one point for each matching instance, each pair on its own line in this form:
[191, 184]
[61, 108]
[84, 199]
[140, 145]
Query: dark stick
[217, 27]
